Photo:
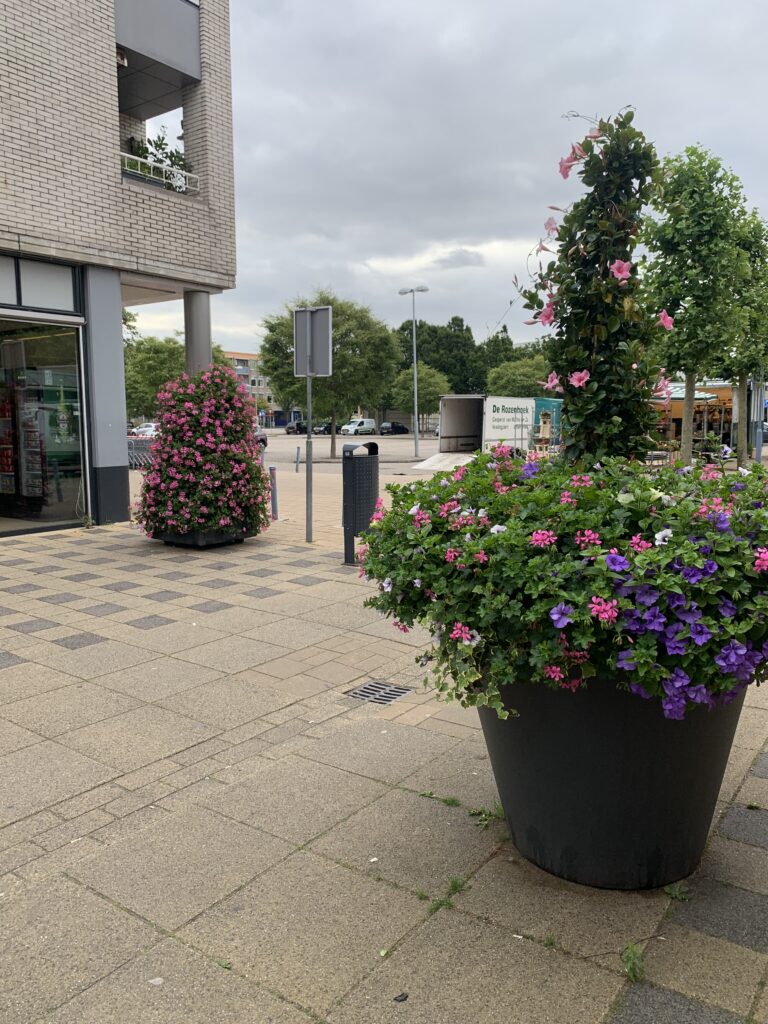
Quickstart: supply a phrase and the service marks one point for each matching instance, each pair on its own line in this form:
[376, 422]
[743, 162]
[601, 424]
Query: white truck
[469, 423]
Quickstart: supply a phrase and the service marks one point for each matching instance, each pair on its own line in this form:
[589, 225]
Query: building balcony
[159, 175]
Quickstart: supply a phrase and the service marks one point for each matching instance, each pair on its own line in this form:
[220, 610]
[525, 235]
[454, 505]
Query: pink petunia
[579, 378]
[621, 269]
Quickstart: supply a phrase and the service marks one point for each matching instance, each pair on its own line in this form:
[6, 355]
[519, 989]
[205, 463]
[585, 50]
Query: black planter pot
[201, 538]
[599, 788]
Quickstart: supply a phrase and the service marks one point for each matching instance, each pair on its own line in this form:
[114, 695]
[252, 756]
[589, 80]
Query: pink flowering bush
[652, 580]
[206, 472]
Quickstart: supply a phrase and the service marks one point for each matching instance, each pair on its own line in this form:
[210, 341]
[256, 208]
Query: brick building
[249, 370]
[87, 228]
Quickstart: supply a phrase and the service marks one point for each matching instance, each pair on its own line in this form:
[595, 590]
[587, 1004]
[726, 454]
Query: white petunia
[414, 510]
[743, 471]
[498, 529]
[481, 513]
[417, 583]
[387, 585]
[662, 537]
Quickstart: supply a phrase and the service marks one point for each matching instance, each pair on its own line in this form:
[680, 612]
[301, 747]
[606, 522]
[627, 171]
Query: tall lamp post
[412, 293]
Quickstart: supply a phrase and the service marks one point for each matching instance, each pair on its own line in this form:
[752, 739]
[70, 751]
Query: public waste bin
[360, 481]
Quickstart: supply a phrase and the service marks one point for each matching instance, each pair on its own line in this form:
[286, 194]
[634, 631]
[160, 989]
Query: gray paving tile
[21, 588]
[78, 640]
[7, 659]
[457, 970]
[131, 567]
[307, 581]
[81, 577]
[260, 592]
[227, 702]
[120, 586]
[646, 1004]
[67, 707]
[16, 561]
[216, 566]
[212, 606]
[748, 825]
[174, 576]
[154, 680]
[339, 923]
[174, 870]
[305, 563]
[32, 625]
[464, 773]
[63, 598]
[41, 570]
[172, 984]
[164, 595]
[726, 912]
[760, 767]
[262, 572]
[216, 584]
[10, 611]
[105, 608]
[35, 777]
[13, 737]
[58, 939]
[150, 622]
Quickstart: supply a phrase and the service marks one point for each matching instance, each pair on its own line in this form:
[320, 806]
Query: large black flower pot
[201, 538]
[599, 788]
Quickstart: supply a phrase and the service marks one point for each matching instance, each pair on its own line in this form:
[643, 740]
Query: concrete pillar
[197, 331]
[105, 400]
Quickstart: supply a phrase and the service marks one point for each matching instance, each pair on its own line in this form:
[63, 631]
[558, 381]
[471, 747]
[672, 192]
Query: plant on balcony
[603, 615]
[206, 484]
[157, 151]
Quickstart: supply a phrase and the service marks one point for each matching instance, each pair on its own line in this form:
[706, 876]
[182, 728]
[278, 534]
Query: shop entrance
[41, 427]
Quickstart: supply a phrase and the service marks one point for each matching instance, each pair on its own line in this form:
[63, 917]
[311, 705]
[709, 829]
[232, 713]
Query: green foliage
[149, 364]
[365, 358]
[511, 567]
[438, 904]
[486, 815]
[130, 326]
[519, 379]
[206, 471]
[160, 152]
[449, 348]
[633, 962]
[432, 384]
[696, 263]
[600, 323]
[679, 891]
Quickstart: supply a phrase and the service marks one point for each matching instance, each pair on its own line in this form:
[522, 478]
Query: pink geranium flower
[621, 269]
[579, 378]
[665, 320]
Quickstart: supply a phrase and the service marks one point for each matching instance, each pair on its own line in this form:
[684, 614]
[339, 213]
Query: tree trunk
[741, 434]
[333, 435]
[686, 437]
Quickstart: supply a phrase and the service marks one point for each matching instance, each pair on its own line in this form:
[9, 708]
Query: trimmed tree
[590, 296]
[432, 385]
[523, 378]
[696, 269]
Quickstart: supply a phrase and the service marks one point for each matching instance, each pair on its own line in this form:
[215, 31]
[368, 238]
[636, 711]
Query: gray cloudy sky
[386, 143]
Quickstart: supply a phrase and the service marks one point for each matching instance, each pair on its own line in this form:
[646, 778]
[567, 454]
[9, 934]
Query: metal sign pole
[309, 431]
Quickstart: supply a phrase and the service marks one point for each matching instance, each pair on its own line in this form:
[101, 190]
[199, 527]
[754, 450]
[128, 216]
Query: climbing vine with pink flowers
[590, 297]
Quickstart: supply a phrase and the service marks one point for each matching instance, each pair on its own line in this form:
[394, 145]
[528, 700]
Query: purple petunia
[616, 563]
[722, 522]
[654, 620]
[710, 567]
[633, 623]
[673, 706]
[727, 608]
[561, 615]
[692, 614]
[675, 646]
[639, 691]
[646, 595]
[675, 600]
[730, 656]
[677, 680]
[530, 469]
[700, 634]
[692, 574]
[625, 661]
[699, 694]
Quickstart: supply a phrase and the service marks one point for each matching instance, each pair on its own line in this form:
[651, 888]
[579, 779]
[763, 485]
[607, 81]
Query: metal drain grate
[377, 692]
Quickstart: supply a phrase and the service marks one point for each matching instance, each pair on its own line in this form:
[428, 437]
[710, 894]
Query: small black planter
[599, 788]
[201, 538]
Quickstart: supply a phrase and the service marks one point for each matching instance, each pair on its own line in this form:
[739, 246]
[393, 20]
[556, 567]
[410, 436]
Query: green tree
[130, 326]
[432, 385]
[519, 379]
[449, 348]
[365, 360]
[149, 364]
[696, 268]
[591, 295]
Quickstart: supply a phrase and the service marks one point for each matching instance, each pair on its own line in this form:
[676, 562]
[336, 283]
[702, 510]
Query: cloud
[380, 145]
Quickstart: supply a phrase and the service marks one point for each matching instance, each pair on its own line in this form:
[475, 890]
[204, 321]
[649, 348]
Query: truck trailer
[470, 423]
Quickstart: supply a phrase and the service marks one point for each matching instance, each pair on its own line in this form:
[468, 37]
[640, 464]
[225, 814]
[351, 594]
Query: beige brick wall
[61, 190]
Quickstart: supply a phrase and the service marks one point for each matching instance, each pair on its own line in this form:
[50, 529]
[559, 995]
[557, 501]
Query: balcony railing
[161, 175]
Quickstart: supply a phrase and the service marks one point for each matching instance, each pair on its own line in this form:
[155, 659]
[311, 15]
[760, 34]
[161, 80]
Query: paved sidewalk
[198, 824]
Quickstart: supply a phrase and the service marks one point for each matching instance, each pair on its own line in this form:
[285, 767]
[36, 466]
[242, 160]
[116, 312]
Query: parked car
[322, 428]
[296, 427]
[393, 428]
[146, 430]
[261, 437]
[436, 431]
[359, 426]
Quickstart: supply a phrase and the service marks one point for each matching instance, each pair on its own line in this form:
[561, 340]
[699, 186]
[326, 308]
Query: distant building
[248, 368]
[89, 224]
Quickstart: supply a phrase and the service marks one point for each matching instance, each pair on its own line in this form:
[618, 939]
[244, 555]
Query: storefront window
[41, 426]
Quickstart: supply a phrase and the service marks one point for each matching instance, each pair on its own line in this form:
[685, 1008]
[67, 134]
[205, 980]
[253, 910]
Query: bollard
[298, 458]
[273, 489]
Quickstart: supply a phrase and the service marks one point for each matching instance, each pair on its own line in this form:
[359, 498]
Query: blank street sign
[316, 322]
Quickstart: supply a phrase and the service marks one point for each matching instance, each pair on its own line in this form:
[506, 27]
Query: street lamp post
[412, 293]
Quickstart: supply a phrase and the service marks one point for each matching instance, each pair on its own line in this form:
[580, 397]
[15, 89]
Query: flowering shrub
[206, 471]
[650, 580]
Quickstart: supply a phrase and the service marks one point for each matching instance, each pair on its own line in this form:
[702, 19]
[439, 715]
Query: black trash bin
[360, 479]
